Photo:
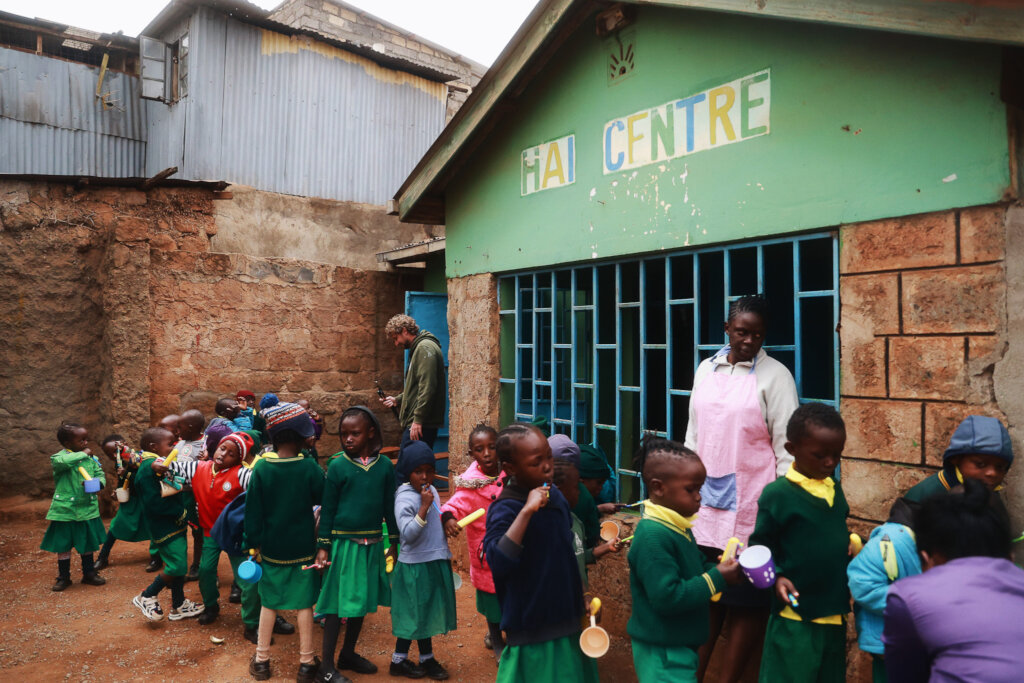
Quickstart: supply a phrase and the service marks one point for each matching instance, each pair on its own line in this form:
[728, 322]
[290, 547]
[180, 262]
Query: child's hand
[452, 528]
[120, 471]
[426, 497]
[391, 552]
[784, 588]
[159, 469]
[605, 548]
[730, 571]
[608, 508]
[321, 559]
[538, 498]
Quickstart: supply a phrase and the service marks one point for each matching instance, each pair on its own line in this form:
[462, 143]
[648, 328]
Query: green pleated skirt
[422, 600]
[85, 537]
[553, 661]
[129, 524]
[288, 586]
[487, 604]
[355, 584]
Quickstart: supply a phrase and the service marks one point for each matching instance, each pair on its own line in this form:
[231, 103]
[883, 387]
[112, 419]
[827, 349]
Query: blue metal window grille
[607, 352]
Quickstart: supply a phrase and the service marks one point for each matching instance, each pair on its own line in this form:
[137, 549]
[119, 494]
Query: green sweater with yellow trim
[357, 498]
[165, 517]
[279, 504]
[672, 584]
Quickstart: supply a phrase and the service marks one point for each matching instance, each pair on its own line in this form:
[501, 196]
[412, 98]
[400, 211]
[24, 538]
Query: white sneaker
[187, 610]
[149, 607]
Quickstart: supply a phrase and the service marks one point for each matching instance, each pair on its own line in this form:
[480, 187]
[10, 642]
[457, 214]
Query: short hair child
[566, 477]
[128, 524]
[165, 519]
[280, 525]
[670, 579]
[802, 519]
[74, 515]
[475, 489]
[528, 544]
[359, 495]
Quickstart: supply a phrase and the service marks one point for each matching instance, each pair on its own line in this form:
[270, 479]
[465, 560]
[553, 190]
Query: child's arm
[96, 471]
[503, 540]
[388, 501]
[318, 480]
[457, 507]
[869, 584]
[412, 520]
[328, 508]
[595, 554]
[185, 470]
[62, 462]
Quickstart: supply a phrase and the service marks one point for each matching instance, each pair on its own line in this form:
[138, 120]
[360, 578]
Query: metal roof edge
[108, 181]
[999, 21]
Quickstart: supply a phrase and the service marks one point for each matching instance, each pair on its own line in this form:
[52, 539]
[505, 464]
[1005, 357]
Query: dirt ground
[93, 633]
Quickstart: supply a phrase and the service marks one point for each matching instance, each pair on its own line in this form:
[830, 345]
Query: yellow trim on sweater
[670, 518]
[819, 488]
[832, 620]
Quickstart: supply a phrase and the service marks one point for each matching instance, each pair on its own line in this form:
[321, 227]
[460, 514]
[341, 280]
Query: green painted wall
[864, 125]
[433, 274]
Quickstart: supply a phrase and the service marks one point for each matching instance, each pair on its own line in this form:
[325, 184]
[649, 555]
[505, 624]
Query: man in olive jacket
[421, 403]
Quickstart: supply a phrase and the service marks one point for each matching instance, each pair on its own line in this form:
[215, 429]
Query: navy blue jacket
[537, 583]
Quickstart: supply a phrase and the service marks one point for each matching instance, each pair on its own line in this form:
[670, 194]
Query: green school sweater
[279, 504]
[165, 517]
[809, 543]
[671, 584]
[586, 510]
[357, 498]
[929, 487]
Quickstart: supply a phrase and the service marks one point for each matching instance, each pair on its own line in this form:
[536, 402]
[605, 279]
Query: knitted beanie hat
[245, 393]
[593, 463]
[285, 416]
[414, 454]
[979, 435]
[562, 447]
[268, 400]
[257, 439]
[214, 433]
[243, 441]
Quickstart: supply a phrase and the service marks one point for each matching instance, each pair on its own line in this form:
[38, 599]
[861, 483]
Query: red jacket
[213, 491]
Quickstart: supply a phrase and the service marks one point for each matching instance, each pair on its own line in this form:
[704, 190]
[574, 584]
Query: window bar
[642, 339]
[835, 320]
[696, 313]
[595, 392]
[798, 365]
[618, 371]
[553, 375]
[669, 352]
[534, 337]
[760, 269]
[572, 356]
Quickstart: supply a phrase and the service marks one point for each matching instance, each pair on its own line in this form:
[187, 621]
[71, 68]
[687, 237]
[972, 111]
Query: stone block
[163, 242]
[895, 243]
[927, 367]
[983, 347]
[872, 487]
[862, 367]
[330, 7]
[982, 236]
[336, 20]
[941, 420]
[883, 430]
[951, 300]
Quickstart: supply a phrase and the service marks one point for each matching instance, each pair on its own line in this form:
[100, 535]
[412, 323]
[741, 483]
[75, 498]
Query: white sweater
[776, 393]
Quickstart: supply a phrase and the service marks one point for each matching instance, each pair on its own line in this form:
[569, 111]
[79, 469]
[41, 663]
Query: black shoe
[62, 583]
[93, 579]
[308, 671]
[209, 614]
[328, 674]
[193, 574]
[101, 563]
[236, 594]
[259, 670]
[155, 564]
[353, 662]
[283, 627]
[433, 669]
[406, 668]
[253, 635]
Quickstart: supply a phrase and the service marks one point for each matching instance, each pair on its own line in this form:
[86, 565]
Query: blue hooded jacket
[870, 577]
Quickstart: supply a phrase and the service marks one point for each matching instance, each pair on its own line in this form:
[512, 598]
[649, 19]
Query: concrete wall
[119, 311]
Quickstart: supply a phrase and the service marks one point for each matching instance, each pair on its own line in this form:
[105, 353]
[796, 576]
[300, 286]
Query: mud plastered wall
[118, 313]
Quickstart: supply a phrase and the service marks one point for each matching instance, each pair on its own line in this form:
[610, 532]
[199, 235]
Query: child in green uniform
[358, 497]
[567, 478]
[669, 577]
[802, 519]
[422, 591]
[129, 524]
[74, 514]
[165, 519]
[280, 525]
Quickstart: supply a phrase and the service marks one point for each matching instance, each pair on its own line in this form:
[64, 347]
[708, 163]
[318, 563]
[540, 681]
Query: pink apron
[736, 448]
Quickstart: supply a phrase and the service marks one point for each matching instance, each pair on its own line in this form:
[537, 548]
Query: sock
[399, 657]
[107, 545]
[402, 647]
[177, 591]
[426, 647]
[266, 632]
[64, 569]
[154, 588]
[332, 627]
[88, 565]
[352, 629]
[305, 626]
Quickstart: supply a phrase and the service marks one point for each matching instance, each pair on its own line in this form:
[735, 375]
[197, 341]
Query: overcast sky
[478, 29]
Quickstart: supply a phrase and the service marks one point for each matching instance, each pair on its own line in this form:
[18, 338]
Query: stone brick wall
[923, 325]
[118, 312]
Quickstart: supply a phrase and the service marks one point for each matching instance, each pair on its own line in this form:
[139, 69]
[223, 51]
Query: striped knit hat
[243, 441]
[286, 416]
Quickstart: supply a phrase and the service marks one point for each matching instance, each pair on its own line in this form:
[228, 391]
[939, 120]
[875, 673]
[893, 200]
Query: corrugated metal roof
[52, 123]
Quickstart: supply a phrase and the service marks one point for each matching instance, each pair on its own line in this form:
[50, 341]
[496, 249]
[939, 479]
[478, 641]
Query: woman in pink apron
[739, 407]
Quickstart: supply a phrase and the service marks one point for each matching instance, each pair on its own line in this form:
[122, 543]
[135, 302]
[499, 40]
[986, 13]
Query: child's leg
[197, 553]
[63, 571]
[497, 639]
[352, 628]
[878, 672]
[177, 584]
[250, 597]
[107, 545]
[305, 619]
[208, 575]
[266, 632]
[401, 650]
[332, 627]
[426, 646]
[89, 574]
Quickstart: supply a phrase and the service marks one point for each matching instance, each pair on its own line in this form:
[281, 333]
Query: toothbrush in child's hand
[792, 600]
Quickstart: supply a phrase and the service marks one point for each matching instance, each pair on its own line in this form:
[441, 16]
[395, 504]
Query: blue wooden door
[430, 311]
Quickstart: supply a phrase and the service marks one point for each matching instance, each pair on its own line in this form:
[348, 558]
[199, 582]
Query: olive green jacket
[423, 399]
[70, 501]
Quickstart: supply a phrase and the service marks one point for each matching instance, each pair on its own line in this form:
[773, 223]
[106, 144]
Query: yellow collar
[670, 518]
[146, 455]
[819, 488]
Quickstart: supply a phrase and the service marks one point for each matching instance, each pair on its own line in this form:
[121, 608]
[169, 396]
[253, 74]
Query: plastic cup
[122, 495]
[609, 531]
[456, 579]
[92, 485]
[594, 640]
[250, 571]
[758, 566]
